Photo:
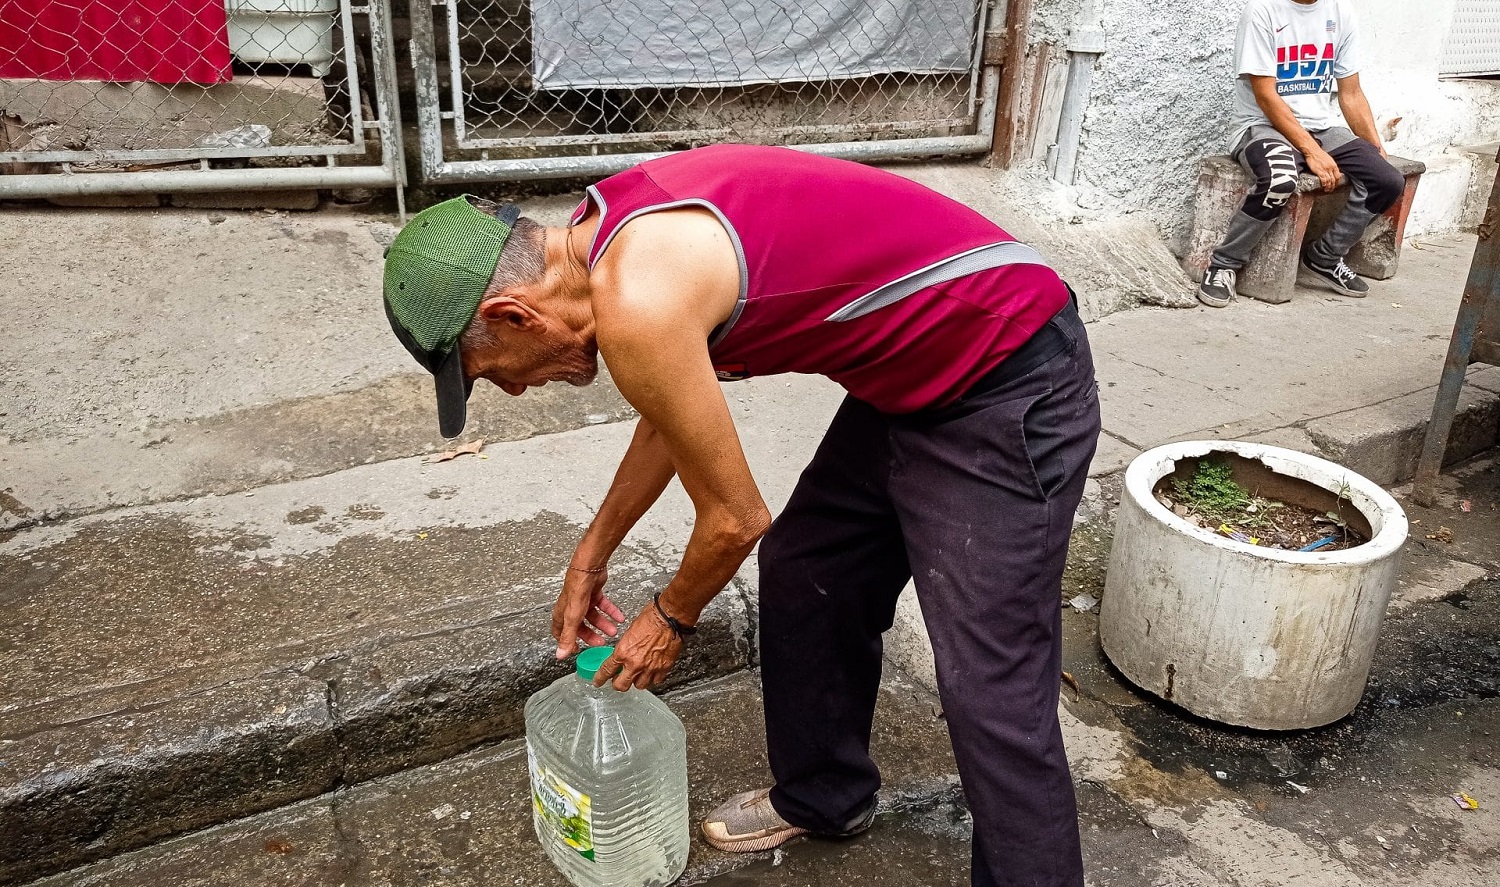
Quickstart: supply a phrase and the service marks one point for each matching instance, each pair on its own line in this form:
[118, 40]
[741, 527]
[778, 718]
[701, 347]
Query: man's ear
[508, 311]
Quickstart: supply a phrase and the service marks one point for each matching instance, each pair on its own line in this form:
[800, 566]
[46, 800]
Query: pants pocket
[1056, 429]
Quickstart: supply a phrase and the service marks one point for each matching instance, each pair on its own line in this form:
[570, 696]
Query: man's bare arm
[1280, 114]
[1356, 108]
[644, 472]
[668, 279]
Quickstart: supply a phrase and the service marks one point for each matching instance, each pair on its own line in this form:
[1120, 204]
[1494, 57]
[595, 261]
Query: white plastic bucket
[288, 32]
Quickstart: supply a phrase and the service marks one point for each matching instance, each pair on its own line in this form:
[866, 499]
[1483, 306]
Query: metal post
[1084, 48]
[1012, 79]
[172, 181]
[388, 100]
[1482, 288]
[425, 76]
[591, 166]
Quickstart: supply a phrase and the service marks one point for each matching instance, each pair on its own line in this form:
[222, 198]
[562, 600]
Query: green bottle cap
[589, 661]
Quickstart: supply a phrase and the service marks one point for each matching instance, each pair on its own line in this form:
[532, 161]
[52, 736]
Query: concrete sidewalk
[1352, 380]
[230, 581]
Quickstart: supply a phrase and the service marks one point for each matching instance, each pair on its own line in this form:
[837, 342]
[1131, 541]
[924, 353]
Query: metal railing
[157, 96]
[181, 95]
[528, 89]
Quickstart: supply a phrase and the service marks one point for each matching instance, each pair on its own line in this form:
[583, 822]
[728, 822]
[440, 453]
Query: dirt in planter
[1211, 499]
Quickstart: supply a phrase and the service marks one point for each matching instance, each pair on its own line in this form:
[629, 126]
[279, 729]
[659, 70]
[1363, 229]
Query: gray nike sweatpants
[1374, 186]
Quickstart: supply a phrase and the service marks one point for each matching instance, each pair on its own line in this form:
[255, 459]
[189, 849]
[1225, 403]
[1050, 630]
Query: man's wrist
[590, 556]
[680, 627]
[1305, 144]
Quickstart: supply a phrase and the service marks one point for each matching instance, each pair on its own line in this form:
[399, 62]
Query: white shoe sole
[714, 834]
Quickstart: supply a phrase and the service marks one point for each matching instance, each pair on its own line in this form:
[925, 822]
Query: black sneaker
[1218, 287]
[1338, 278]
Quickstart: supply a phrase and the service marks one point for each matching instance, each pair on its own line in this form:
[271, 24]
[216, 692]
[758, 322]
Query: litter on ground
[471, 448]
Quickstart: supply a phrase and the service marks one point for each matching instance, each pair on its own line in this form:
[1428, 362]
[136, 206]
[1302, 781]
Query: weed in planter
[1212, 499]
[1212, 492]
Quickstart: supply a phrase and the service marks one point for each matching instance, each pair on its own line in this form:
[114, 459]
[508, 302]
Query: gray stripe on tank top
[984, 258]
[734, 238]
[603, 211]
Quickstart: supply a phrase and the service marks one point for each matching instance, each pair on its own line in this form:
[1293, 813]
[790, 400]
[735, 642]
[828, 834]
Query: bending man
[958, 457]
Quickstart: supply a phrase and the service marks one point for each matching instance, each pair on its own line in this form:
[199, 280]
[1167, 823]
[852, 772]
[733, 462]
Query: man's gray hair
[523, 261]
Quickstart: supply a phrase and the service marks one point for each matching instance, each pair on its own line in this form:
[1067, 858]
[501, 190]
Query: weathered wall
[1424, 117]
[1161, 95]
[1161, 91]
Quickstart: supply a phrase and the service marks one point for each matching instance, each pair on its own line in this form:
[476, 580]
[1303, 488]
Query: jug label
[565, 810]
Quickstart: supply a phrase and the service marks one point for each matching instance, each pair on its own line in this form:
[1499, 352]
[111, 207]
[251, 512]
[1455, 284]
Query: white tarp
[587, 44]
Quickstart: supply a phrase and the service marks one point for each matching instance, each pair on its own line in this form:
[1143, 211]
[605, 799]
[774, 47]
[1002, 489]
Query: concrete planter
[1276, 640]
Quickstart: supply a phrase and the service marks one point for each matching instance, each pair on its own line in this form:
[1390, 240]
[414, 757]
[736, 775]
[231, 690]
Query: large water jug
[608, 781]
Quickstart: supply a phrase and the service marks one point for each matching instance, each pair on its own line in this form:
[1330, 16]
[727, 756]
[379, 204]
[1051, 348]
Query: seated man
[1288, 55]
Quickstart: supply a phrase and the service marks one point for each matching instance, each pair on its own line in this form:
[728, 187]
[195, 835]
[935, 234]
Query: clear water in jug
[608, 781]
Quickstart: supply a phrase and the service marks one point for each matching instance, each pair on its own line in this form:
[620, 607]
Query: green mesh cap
[436, 273]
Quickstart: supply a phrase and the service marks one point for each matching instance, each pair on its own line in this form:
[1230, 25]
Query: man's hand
[1279, 113]
[1324, 167]
[583, 613]
[644, 655]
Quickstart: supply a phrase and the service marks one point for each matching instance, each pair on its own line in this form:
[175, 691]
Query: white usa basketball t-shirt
[1306, 47]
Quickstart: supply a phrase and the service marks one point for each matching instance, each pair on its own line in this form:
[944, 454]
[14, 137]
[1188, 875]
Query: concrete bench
[1271, 275]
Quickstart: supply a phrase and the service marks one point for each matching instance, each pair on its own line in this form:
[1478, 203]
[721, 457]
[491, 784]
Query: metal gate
[532, 89]
[122, 97]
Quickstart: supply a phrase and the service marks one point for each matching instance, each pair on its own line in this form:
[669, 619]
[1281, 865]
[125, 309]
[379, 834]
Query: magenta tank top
[846, 271]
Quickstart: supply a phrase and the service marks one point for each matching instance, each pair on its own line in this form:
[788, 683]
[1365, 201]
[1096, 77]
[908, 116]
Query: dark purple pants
[975, 501]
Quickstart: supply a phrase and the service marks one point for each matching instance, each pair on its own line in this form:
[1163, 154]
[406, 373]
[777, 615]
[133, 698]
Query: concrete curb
[1384, 441]
[84, 791]
[467, 817]
[244, 449]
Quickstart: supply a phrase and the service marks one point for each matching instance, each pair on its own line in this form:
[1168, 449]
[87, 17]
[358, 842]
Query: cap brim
[452, 394]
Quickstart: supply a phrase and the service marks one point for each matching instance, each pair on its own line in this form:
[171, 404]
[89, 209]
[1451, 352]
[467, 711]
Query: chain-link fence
[111, 96]
[534, 88]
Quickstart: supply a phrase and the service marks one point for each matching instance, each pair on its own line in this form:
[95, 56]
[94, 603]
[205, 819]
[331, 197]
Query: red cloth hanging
[162, 41]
